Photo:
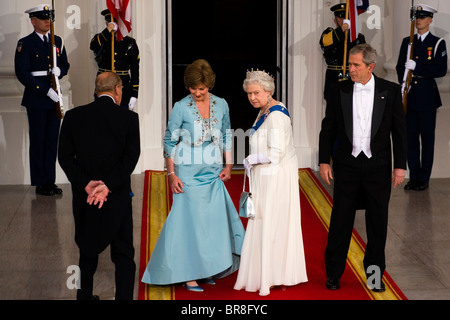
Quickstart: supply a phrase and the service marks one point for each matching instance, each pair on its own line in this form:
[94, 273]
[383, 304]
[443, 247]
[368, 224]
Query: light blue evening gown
[203, 234]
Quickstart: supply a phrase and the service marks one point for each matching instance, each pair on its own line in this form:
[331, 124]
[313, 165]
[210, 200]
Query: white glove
[116, 27]
[247, 165]
[53, 95]
[56, 71]
[253, 159]
[132, 103]
[410, 65]
[347, 22]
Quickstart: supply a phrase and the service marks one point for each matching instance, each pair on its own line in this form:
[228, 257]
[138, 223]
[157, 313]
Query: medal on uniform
[430, 52]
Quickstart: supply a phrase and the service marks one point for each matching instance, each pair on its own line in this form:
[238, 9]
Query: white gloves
[253, 159]
[410, 65]
[115, 26]
[53, 95]
[347, 22]
[56, 71]
[132, 103]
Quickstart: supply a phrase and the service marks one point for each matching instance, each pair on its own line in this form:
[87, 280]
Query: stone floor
[37, 246]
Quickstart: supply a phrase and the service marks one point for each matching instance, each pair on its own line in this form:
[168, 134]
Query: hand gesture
[97, 193]
[225, 175]
[175, 184]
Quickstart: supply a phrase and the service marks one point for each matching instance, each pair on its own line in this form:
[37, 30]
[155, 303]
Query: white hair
[267, 85]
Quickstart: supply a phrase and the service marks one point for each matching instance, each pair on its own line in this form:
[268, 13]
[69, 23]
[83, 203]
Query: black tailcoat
[362, 177]
[99, 141]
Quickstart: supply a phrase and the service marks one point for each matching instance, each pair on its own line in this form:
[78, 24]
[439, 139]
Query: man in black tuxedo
[363, 114]
[99, 147]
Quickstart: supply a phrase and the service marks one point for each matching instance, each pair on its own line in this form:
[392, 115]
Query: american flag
[121, 11]
[356, 7]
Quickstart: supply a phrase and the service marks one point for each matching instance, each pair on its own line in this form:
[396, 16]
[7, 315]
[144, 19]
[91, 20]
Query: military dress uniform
[332, 43]
[33, 69]
[126, 62]
[430, 55]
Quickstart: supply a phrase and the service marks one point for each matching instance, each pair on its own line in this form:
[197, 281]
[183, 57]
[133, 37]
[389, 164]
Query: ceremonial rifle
[407, 77]
[113, 55]
[54, 55]
[344, 75]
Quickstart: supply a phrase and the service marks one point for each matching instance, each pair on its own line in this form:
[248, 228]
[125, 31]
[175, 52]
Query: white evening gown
[272, 252]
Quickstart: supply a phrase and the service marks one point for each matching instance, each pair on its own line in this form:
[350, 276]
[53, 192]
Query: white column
[306, 74]
[149, 27]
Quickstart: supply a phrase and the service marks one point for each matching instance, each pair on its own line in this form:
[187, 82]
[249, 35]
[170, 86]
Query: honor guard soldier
[429, 62]
[33, 67]
[126, 59]
[332, 43]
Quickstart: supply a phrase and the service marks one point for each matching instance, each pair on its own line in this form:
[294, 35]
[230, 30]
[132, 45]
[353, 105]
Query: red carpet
[315, 205]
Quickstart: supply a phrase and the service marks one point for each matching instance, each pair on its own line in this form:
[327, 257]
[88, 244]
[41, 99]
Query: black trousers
[122, 255]
[361, 177]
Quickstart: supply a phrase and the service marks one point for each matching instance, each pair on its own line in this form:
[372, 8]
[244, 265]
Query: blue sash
[263, 118]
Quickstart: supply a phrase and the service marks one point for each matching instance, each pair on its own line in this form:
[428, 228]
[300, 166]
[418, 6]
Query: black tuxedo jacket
[99, 141]
[388, 121]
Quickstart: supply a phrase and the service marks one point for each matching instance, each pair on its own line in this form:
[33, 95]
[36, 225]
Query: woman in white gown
[272, 253]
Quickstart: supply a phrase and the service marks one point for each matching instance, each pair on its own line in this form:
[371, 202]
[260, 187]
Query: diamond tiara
[259, 75]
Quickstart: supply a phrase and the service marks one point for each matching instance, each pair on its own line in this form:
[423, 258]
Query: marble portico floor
[37, 246]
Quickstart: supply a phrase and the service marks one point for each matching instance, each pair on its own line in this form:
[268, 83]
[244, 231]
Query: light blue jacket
[187, 129]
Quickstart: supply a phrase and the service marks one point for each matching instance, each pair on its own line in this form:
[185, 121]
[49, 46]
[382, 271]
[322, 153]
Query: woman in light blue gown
[203, 234]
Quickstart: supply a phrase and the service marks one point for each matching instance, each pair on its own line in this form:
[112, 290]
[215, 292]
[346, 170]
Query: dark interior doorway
[233, 36]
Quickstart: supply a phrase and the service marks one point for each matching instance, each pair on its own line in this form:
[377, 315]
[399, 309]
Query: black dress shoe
[420, 186]
[381, 288]
[49, 190]
[333, 283]
[45, 190]
[410, 185]
[56, 190]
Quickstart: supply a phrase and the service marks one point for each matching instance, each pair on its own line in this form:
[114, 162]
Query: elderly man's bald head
[109, 83]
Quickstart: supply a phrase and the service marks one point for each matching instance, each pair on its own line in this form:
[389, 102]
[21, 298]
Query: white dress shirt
[42, 36]
[363, 98]
[423, 36]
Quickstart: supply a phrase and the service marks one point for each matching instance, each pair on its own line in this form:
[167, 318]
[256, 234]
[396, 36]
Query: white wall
[308, 18]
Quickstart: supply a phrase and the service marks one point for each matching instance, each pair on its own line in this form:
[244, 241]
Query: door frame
[282, 53]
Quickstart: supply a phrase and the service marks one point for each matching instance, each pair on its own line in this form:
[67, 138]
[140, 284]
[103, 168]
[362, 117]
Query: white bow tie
[361, 86]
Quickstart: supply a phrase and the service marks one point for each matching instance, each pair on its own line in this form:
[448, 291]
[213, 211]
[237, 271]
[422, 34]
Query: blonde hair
[199, 72]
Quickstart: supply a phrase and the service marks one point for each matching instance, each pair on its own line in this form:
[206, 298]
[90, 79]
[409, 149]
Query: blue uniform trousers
[421, 127]
[43, 132]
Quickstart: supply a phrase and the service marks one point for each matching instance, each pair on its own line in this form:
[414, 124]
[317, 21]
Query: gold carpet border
[157, 210]
[322, 205]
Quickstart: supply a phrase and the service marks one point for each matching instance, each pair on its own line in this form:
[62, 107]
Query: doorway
[233, 36]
